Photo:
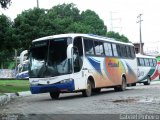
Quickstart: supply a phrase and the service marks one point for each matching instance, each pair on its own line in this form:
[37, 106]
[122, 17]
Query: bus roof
[144, 56]
[81, 35]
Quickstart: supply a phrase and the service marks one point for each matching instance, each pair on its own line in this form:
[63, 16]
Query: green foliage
[35, 23]
[27, 27]
[5, 3]
[93, 23]
[6, 41]
[117, 36]
[65, 18]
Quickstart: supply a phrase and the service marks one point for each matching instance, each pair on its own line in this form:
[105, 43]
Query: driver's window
[77, 54]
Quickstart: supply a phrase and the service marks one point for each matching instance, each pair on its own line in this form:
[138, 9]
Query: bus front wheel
[87, 92]
[54, 95]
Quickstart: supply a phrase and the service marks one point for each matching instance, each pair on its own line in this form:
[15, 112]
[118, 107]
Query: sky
[118, 15]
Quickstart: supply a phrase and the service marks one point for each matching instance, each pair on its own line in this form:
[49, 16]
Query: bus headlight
[66, 81]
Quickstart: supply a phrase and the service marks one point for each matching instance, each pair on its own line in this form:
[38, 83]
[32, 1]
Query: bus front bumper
[57, 87]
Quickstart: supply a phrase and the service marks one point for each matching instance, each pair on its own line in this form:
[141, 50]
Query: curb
[4, 99]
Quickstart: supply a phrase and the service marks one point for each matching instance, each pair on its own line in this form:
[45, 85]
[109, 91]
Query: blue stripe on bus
[96, 64]
[69, 86]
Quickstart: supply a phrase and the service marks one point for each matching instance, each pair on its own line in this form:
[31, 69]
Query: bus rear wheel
[121, 87]
[97, 90]
[87, 92]
[148, 82]
[54, 95]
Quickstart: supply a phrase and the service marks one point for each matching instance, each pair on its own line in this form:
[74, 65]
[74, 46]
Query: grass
[12, 86]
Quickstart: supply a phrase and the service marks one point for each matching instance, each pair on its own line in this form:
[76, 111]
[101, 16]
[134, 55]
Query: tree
[5, 3]
[62, 17]
[27, 27]
[93, 23]
[65, 18]
[6, 43]
[117, 36]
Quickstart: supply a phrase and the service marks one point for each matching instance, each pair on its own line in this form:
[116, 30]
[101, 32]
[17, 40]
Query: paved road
[139, 100]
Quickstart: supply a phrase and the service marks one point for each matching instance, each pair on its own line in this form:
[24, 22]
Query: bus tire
[133, 84]
[116, 88]
[97, 90]
[124, 84]
[148, 82]
[54, 95]
[87, 92]
[121, 87]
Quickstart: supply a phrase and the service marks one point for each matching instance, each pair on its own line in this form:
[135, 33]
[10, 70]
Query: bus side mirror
[69, 51]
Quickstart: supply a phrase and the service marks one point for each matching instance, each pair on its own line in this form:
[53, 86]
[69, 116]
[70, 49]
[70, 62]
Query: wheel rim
[123, 85]
[148, 80]
[88, 88]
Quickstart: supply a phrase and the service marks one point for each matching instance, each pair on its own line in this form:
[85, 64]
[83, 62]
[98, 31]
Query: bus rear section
[147, 69]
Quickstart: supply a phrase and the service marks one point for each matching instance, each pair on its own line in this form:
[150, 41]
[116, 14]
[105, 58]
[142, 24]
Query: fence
[7, 73]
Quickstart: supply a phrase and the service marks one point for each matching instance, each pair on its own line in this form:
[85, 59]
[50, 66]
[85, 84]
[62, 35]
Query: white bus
[147, 69]
[22, 68]
[80, 63]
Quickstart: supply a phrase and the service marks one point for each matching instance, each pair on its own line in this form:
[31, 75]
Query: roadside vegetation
[16, 35]
[13, 86]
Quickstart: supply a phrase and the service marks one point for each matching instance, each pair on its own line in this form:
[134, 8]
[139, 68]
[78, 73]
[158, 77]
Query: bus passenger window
[151, 62]
[88, 46]
[128, 52]
[98, 46]
[108, 49]
[119, 51]
[154, 62]
[138, 62]
[146, 62]
[141, 61]
[114, 50]
[132, 52]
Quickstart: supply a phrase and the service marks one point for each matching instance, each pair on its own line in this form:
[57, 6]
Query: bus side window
[114, 50]
[124, 51]
[146, 62]
[108, 49]
[88, 46]
[101, 48]
[119, 51]
[98, 46]
[132, 52]
[141, 61]
[127, 50]
[138, 62]
[151, 62]
[154, 62]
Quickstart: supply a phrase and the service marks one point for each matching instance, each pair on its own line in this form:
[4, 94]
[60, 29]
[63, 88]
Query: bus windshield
[48, 58]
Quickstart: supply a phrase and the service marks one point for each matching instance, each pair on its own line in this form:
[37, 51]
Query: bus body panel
[108, 71]
[144, 72]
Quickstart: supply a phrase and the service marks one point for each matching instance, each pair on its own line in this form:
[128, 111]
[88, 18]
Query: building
[137, 47]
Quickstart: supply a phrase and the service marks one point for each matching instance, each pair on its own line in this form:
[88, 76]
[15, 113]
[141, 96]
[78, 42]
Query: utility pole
[37, 3]
[140, 35]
